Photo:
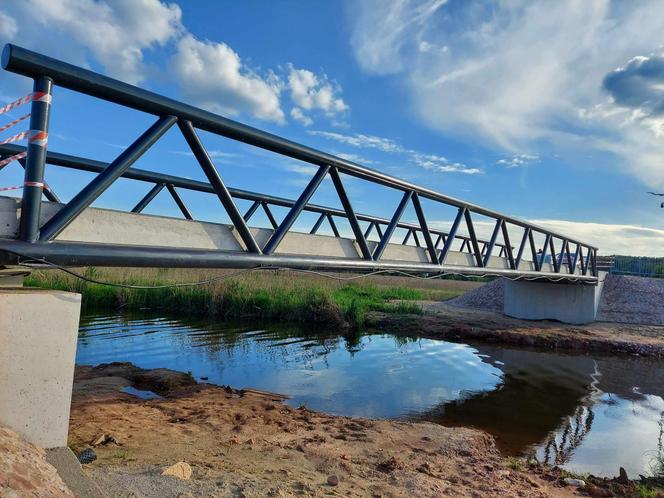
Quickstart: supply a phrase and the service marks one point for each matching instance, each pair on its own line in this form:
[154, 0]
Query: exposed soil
[251, 444]
[444, 321]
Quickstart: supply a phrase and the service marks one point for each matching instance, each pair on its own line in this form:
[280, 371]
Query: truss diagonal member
[270, 216]
[492, 242]
[318, 223]
[451, 235]
[584, 261]
[545, 247]
[295, 211]
[424, 226]
[473, 239]
[143, 203]
[439, 239]
[522, 247]
[593, 261]
[554, 256]
[252, 209]
[561, 255]
[575, 259]
[385, 238]
[369, 229]
[350, 213]
[507, 248]
[333, 225]
[533, 250]
[568, 258]
[103, 180]
[218, 185]
[178, 200]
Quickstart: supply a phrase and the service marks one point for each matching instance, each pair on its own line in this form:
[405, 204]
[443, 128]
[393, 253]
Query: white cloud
[213, 75]
[429, 162]
[441, 164]
[355, 158]
[116, 33]
[8, 26]
[383, 28]
[301, 169]
[360, 140]
[518, 160]
[297, 114]
[311, 92]
[512, 76]
[629, 240]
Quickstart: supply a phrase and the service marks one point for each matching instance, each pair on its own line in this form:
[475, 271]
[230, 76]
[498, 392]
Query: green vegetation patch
[278, 295]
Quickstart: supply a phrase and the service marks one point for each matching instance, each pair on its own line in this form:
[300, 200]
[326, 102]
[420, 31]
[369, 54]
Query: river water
[587, 414]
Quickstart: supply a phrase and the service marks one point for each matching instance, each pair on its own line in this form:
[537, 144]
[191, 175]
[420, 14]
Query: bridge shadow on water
[589, 414]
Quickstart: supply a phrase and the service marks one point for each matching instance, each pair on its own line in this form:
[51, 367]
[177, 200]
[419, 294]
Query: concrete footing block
[38, 333]
[568, 303]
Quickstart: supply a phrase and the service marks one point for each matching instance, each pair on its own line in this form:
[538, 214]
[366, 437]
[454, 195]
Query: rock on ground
[24, 470]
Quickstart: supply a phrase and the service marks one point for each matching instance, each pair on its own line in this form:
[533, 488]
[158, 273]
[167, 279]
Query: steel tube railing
[22, 61]
[46, 72]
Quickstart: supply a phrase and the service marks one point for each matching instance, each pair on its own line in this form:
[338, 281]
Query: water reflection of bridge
[547, 399]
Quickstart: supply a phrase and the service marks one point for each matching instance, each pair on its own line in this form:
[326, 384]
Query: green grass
[281, 295]
[646, 491]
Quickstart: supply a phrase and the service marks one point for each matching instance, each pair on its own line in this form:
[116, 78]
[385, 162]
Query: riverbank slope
[245, 443]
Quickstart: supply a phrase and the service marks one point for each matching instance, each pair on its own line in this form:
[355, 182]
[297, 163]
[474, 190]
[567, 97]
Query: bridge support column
[567, 303]
[38, 332]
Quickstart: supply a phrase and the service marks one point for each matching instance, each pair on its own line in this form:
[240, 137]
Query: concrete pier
[567, 303]
[38, 332]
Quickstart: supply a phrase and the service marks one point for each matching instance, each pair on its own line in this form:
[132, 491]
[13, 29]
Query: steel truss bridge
[72, 233]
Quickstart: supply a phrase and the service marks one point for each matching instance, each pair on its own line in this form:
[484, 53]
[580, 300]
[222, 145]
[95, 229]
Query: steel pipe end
[6, 55]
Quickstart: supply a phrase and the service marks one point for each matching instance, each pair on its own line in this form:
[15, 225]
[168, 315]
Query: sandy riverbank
[251, 444]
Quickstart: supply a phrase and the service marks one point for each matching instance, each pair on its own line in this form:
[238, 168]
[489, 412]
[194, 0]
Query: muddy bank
[442, 321]
[244, 443]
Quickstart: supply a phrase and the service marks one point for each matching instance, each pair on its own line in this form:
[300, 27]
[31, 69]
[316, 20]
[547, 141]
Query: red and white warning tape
[37, 137]
[15, 157]
[31, 97]
[26, 184]
[16, 121]
[16, 138]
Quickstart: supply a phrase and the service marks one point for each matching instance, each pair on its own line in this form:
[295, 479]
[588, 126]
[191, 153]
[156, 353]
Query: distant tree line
[638, 265]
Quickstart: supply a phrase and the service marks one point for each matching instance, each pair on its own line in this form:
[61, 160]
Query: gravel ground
[625, 299]
[487, 297]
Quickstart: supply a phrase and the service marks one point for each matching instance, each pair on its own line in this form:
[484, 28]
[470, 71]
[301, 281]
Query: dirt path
[443, 321]
[248, 444]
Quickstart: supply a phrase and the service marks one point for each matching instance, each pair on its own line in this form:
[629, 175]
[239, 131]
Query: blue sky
[551, 112]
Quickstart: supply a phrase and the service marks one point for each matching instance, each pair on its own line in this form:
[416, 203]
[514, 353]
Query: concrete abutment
[38, 334]
[565, 302]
